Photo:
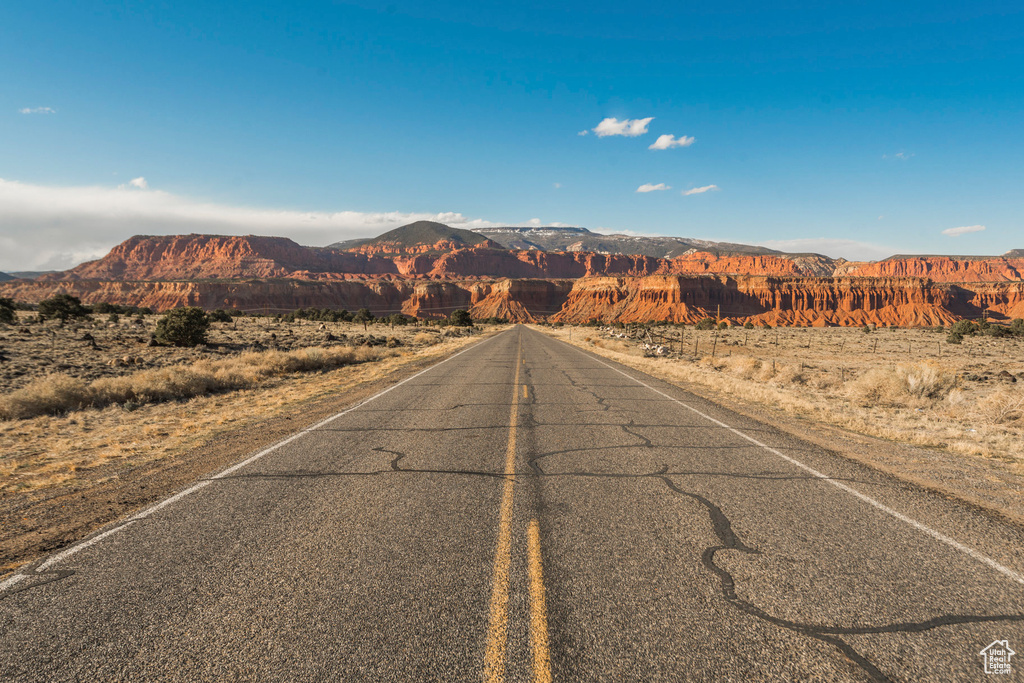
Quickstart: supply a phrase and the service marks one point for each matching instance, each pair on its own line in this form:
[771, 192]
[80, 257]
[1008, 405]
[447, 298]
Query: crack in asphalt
[727, 538]
[721, 526]
[32, 572]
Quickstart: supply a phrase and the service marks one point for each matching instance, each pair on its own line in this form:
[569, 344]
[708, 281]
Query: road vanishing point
[528, 511]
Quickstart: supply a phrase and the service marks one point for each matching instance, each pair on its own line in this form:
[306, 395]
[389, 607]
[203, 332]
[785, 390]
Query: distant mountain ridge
[415, 236]
[429, 269]
[558, 238]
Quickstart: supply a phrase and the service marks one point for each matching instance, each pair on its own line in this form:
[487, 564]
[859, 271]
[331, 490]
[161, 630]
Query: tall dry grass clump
[1004, 406]
[425, 339]
[905, 385]
[59, 393]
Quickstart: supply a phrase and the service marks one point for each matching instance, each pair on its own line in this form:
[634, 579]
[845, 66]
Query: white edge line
[971, 552]
[10, 581]
[82, 546]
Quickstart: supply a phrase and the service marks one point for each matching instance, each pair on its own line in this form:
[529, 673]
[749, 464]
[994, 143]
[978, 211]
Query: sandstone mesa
[432, 278]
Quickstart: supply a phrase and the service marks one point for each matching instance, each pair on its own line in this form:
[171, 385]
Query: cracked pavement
[672, 549]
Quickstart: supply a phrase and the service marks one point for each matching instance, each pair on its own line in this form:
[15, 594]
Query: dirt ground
[90, 350]
[842, 353]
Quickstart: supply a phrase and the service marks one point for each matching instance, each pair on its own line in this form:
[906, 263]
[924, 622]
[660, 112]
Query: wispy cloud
[37, 110]
[700, 190]
[58, 227]
[901, 156]
[583, 132]
[670, 141]
[851, 250]
[647, 187]
[629, 128]
[963, 230]
[557, 186]
[620, 231]
[139, 183]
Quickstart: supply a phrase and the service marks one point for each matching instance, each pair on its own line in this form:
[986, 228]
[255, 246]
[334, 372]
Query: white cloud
[583, 132]
[647, 187]
[834, 247]
[558, 186]
[629, 128]
[700, 190]
[963, 230]
[670, 141]
[620, 231]
[139, 183]
[44, 228]
[37, 110]
[902, 156]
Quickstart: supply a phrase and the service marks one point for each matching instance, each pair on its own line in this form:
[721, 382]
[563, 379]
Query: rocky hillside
[191, 257]
[1006, 268]
[755, 298]
[428, 269]
[418, 238]
[581, 239]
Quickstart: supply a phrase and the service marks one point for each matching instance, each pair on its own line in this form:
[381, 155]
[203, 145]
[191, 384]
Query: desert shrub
[219, 316]
[788, 374]
[460, 318]
[748, 325]
[7, 315]
[425, 339]
[364, 316]
[954, 338]
[964, 328]
[997, 331]
[866, 329]
[723, 325]
[183, 327]
[1017, 327]
[397, 319]
[62, 307]
[706, 324]
[104, 308]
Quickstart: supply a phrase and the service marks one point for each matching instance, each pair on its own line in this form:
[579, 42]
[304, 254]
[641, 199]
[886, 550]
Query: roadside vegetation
[910, 385]
[61, 393]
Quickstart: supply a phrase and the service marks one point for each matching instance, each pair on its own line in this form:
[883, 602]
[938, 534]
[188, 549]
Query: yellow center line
[538, 609]
[497, 631]
[524, 392]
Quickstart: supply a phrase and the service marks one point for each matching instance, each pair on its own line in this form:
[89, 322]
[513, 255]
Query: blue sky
[854, 129]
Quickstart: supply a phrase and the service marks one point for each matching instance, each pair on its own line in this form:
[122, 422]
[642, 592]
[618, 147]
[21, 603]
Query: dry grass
[950, 397]
[61, 451]
[61, 393]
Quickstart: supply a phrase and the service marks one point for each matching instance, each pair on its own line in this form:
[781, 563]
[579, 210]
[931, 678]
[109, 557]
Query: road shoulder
[988, 485]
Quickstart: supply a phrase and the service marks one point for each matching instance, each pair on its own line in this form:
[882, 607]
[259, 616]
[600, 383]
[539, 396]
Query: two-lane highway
[526, 511]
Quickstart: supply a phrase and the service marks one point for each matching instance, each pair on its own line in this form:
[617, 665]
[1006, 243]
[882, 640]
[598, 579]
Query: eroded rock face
[941, 268]
[272, 274]
[688, 299]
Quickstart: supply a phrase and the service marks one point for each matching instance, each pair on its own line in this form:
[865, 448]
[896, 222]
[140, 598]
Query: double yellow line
[497, 631]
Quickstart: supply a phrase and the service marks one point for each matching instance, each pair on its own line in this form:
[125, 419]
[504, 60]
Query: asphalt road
[526, 511]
